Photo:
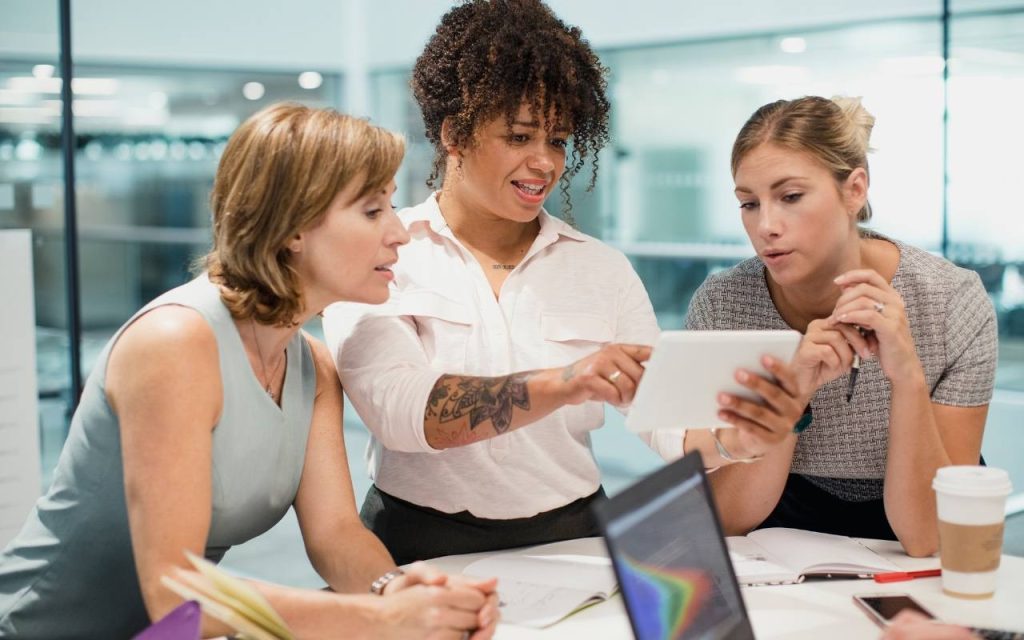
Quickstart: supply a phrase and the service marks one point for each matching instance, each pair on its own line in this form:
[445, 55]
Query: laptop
[670, 558]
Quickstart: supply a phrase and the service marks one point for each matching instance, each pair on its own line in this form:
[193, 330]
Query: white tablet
[687, 370]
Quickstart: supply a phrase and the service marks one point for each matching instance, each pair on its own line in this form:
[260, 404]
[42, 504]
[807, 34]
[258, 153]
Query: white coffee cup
[971, 505]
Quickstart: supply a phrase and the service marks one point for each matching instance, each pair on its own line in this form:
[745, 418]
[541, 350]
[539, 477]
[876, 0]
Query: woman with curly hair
[210, 414]
[482, 378]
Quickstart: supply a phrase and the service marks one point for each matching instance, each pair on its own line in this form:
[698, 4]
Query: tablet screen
[687, 370]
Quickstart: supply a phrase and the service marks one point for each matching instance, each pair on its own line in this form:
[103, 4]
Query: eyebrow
[775, 185]
[533, 124]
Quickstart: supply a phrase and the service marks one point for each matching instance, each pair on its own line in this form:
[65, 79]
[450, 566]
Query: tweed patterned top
[953, 325]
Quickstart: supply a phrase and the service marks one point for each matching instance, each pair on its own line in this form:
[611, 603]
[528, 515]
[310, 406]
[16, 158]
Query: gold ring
[614, 376]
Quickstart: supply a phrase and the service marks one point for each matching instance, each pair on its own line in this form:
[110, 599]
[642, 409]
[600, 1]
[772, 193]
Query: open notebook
[539, 587]
[786, 556]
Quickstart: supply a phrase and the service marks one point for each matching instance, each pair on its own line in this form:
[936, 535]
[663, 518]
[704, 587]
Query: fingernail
[839, 279]
[723, 416]
[865, 353]
[724, 399]
[843, 317]
[742, 375]
[769, 362]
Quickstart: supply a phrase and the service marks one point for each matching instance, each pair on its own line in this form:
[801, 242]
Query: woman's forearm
[745, 494]
[350, 560]
[915, 452]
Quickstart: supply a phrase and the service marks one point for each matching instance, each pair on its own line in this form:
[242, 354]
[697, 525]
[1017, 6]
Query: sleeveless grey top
[70, 572]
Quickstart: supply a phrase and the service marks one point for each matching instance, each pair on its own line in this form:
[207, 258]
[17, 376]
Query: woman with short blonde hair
[209, 414]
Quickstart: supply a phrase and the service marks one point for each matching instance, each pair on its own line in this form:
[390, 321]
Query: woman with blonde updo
[923, 328]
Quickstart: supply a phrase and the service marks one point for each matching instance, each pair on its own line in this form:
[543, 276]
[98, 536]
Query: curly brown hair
[489, 56]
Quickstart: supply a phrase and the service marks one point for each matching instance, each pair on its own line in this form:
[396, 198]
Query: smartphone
[883, 607]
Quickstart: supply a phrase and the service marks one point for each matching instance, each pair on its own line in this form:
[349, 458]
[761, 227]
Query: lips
[531, 190]
[773, 256]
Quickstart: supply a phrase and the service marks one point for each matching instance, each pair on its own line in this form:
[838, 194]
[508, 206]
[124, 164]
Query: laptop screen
[672, 564]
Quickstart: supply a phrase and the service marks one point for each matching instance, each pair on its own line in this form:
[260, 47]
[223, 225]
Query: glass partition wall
[147, 145]
[32, 196]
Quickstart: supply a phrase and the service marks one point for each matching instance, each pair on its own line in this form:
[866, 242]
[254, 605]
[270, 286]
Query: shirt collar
[429, 212]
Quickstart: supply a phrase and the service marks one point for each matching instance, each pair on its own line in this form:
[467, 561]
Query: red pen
[900, 576]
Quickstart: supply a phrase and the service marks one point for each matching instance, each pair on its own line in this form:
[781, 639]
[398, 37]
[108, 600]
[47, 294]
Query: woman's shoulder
[925, 273]
[740, 280]
[322, 360]
[162, 342]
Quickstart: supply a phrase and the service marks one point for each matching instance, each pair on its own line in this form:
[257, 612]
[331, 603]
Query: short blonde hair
[279, 172]
[836, 132]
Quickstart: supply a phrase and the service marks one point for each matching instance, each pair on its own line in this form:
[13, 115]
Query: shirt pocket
[571, 336]
[444, 327]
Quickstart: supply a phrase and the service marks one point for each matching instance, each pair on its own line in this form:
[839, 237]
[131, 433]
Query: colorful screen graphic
[673, 597]
[672, 564]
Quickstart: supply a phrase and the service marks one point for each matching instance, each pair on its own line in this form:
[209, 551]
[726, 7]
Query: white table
[815, 609]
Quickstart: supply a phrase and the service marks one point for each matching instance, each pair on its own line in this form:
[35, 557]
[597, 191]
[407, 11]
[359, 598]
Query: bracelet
[804, 421]
[724, 453]
[382, 582]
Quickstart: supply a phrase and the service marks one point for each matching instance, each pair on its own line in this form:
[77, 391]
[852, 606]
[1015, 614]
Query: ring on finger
[614, 375]
[880, 307]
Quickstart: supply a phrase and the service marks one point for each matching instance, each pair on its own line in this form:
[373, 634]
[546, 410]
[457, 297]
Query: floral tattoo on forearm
[482, 399]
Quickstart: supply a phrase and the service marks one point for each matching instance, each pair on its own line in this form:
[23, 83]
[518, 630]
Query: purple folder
[180, 624]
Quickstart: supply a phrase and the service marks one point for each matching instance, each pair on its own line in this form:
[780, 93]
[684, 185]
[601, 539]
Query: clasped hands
[446, 606]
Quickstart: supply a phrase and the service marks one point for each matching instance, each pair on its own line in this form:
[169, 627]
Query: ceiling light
[253, 90]
[310, 80]
[793, 45]
[43, 71]
[81, 86]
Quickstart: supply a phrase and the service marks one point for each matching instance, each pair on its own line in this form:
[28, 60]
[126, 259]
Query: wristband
[804, 421]
[724, 453]
[382, 582]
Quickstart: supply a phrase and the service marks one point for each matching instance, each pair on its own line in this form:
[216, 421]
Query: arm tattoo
[482, 399]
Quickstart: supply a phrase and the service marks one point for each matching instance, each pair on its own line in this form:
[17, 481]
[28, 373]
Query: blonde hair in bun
[836, 132]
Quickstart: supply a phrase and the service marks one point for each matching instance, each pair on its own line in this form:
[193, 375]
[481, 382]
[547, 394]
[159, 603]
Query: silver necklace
[267, 381]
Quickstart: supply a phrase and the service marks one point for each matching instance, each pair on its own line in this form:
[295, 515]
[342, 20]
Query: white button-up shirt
[569, 295]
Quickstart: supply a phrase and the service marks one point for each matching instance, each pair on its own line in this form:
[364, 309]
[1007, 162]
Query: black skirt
[806, 506]
[412, 532]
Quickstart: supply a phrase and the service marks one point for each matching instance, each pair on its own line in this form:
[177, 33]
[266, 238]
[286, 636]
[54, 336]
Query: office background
[160, 86]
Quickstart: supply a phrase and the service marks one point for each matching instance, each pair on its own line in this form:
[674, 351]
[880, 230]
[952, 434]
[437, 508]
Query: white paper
[539, 590]
[19, 415]
[753, 565]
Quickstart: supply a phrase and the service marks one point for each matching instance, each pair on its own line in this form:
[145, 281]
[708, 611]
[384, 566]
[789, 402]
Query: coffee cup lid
[973, 481]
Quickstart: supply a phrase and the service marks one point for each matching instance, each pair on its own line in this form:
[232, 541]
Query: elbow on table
[919, 545]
